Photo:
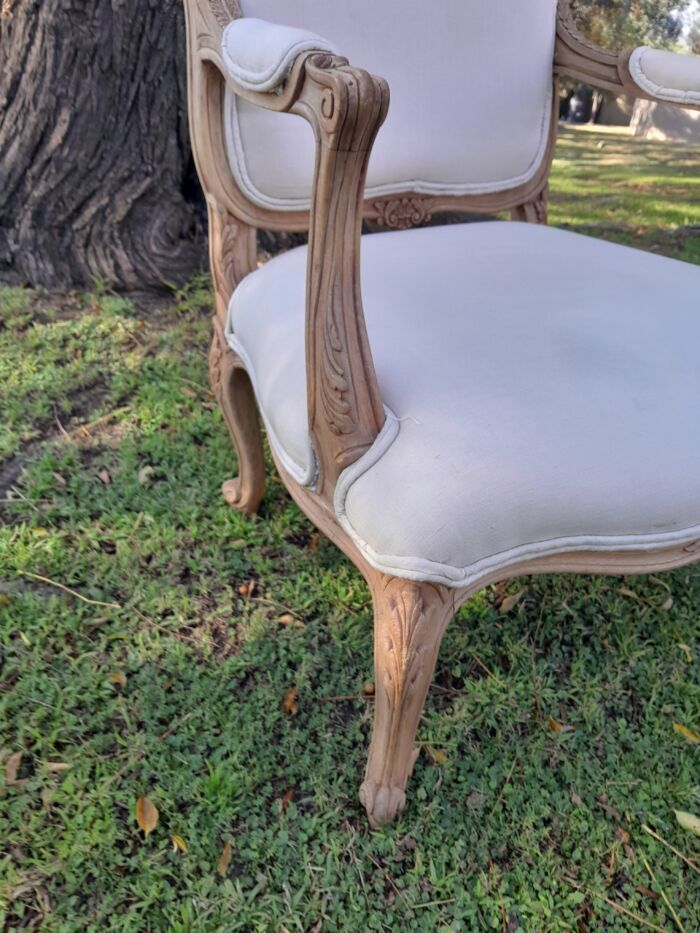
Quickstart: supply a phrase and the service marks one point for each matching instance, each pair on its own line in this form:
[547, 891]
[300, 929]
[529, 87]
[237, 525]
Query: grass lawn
[149, 636]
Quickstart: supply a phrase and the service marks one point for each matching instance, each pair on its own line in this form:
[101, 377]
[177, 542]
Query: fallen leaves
[436, 755]
[12, 769]
[118, 678]
[222, 866]
[510, 602]
[288, 619]
[290, 706]
[286, 799]
[687, 733]
[145, 475]
[688, 821]
[57, 767]
[179, 843]
[105, 477]
[146, 815]
[557, 727]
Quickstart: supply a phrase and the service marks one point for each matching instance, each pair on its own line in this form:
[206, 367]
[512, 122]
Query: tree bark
[96, 174]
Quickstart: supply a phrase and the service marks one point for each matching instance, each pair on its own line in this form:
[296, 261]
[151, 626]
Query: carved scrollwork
[566, 20]
[231, 253]
[225, 10]
[402, 213]
[410, 619]
[407, 633]
[347, 106]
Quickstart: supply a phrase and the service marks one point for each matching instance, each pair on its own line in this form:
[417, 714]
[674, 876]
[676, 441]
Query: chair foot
[234, 393]
[409, 622]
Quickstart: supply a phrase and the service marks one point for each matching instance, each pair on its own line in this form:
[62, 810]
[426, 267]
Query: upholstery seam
[270, 78]
[415, 186]
[646, 83]
[304, 475]
[425, 570]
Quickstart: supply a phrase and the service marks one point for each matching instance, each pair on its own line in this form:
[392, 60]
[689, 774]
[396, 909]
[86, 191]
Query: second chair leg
[409, 622]
[234, 393]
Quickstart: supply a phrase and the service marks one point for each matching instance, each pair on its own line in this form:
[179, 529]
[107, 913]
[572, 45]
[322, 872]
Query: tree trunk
[96, 174]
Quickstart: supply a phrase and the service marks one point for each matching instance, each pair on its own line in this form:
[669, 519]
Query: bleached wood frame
[346, 107]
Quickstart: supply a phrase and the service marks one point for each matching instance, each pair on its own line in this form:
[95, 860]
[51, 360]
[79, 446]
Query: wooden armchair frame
[346, 107]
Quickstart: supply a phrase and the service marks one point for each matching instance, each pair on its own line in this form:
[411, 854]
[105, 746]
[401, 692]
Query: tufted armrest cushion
[259, 55]
[667, 76]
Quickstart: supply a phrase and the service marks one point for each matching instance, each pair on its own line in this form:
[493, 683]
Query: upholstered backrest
[471, 97]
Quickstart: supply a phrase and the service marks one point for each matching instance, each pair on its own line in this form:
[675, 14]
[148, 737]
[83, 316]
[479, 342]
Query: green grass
[113, 457]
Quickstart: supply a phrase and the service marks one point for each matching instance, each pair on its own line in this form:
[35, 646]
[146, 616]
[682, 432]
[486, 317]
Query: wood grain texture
[409, 622]
[346, 106]
[234, 393]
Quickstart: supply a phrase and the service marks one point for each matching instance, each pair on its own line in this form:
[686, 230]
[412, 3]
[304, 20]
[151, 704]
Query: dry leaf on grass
[222, 865]
[11, 769]
[146, 815]
[179, 843]
[56, 767]
[145, 475]
[687, 733]
[436, 755]
[286, 799]
[558, 727]
[288, 619]
[688, 821]
[510, 602]
[118, 678]
[687, 651]
[368, 689]
[105, 477]
[289, 702]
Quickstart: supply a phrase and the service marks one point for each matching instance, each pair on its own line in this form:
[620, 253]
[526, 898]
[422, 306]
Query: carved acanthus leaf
[408, 633]
[225, 10]
[402, 213]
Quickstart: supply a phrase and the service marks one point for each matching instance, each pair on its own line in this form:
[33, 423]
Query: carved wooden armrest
[656, 75]
[345, 107]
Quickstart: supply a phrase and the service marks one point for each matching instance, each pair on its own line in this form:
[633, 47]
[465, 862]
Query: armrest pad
[259, 55]
[667, 76]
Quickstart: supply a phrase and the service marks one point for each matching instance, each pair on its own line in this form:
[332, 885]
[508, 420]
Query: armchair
[451, 411]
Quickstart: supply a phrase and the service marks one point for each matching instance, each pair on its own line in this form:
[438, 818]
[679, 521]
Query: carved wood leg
[534, 212]
[234, 393]
[409, 622]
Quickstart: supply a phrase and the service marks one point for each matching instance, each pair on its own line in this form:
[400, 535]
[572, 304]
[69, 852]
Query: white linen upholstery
[259, 55]
[471, 97]
[544, 390]
[667, 75]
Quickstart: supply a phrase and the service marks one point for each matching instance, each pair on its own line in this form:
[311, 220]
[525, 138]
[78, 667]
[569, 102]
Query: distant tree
[694, 39]
[618, 24]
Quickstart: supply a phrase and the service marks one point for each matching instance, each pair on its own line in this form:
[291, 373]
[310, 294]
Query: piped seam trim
[239, 168]
[642, 79]
[304, 475]
[275, 74]
[424, 570]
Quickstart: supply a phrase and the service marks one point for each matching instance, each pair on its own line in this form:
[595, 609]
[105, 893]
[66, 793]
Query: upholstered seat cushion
[543, 391]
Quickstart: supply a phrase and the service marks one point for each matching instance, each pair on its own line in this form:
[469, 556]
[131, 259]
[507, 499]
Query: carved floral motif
[402, 213]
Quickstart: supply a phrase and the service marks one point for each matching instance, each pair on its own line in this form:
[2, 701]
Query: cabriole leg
[409, 622]
[234, 393]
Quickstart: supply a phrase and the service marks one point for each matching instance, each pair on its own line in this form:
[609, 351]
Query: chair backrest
[471, 98]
